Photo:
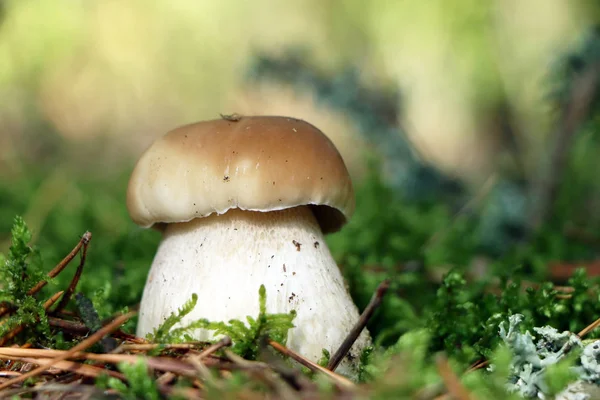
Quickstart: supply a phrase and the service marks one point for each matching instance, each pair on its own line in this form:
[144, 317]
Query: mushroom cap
[258, 163]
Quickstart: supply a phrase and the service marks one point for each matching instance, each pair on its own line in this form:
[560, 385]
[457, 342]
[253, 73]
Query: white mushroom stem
[225, 258]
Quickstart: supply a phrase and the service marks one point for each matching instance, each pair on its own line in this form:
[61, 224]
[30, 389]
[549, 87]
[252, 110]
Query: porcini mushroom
[241, 203]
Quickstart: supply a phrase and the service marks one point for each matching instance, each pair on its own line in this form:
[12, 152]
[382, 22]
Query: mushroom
[243, 202]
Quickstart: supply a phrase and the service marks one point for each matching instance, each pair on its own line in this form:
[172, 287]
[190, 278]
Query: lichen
[531, 359]
[590, 365]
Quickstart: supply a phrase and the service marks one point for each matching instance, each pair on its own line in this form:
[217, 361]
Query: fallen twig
[224, 342]
[91, 340]
[266, 375]
[68, 326]
[169, 376]
[154, 346]
[336, 378]
[376, 300]
[478, 365]
[82, 369]
[589, 328]
[85, 241]
[63, 264]
[293, 376]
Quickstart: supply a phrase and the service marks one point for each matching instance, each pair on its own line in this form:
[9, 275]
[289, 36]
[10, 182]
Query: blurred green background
[464, 123]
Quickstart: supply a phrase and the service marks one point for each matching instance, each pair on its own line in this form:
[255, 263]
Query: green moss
[21, 270]
[141, 384]
[245, 336]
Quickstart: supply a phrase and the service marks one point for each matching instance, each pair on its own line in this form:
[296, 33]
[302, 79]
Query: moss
[245, 336]
[21, 270]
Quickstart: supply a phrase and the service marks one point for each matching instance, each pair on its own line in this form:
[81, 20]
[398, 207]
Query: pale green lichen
[590, 363]
[553, 365]
[531, 360]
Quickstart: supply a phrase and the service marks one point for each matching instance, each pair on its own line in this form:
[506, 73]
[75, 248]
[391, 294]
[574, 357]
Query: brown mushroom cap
[254, 163]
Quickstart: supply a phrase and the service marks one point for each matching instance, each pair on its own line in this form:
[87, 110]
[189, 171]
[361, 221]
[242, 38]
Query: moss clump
[21, 269]
[245, 337]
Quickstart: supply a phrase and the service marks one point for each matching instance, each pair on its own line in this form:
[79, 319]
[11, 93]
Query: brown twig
[562, 271]
[336, 378]
[589, 328]
[6, 307]
[478, 365]
[293, 376]
[264, 373]
[169, 376]
[79, 328]
[85, 240]
[4, 373]
[63, 264]
[119, 334]
[154, 346]
[159, 363]
[82, 369]
[224, 342]
[91, 340]
[68, 326]
[376, 300]
[453, 384]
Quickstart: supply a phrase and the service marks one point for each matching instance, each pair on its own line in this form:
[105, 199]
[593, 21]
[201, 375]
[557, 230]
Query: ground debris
[104, 360]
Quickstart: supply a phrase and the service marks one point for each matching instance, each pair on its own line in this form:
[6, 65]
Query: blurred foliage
[585, 53]
[142, 385]
[373, 110]
[407, 224]
[578, 202]
[407, 370]
[388, 237]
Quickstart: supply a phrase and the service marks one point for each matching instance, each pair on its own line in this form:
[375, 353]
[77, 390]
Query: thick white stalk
[225, 258]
